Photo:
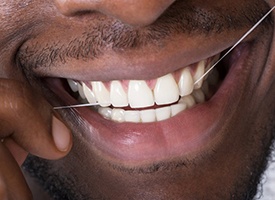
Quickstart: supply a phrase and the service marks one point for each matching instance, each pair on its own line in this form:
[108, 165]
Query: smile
[140, 121]
[143, 101]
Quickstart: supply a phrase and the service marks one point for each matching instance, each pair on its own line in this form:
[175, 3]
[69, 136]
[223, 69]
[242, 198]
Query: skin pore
[215, 150]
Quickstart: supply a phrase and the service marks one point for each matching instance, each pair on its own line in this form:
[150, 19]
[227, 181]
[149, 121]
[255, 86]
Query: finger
[28, 119]
[12, 183]
[17, 152]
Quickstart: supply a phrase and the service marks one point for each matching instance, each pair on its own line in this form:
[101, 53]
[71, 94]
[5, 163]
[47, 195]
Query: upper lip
[141, 64]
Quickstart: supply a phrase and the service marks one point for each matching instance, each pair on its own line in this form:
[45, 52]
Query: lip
[133, 64]
[184, 135]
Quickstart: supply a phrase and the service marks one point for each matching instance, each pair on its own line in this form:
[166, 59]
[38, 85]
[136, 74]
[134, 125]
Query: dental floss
[76, 106]
[237, 43]
[207, 72]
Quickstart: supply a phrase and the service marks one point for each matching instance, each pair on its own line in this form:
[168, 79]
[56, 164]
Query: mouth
[140, 121]
[145, 101]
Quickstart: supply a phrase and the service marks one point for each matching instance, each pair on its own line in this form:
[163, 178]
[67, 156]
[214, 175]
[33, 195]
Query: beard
[248, 187]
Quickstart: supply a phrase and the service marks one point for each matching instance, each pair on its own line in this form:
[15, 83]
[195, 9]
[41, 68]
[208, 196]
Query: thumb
[29, 120]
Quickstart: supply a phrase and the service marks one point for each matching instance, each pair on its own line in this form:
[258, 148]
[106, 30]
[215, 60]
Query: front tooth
[117, 95]
[163, 113]
[101, 93]
[199, 73]
[147, 116]
[177, 108]
[139, 94]
[73, 85]
[166, 90]
[118, 115]
[90, 96]
[132, 116]
[186, 82]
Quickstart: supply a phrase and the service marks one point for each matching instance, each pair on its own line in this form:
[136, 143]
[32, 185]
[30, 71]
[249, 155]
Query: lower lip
[185, 135]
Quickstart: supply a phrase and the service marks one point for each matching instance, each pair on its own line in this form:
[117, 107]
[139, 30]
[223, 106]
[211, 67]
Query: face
[155, 134]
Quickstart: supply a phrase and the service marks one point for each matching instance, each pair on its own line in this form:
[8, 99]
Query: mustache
[181, 18]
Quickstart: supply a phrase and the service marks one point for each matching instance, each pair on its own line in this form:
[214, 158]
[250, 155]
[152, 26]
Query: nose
[132, 12]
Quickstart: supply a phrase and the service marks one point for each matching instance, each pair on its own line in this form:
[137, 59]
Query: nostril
[134, 12]
[73, 7]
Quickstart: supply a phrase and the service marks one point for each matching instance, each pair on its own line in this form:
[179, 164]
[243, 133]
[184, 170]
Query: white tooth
[198, 73]
[139, 94]
[89, 94]
[118, 115]
[148, 115]
[73, 85]
[163, 113]
[198, 96]
[177, 108]
[132, 116]
[186, 82]
[166, 90]
[188, 100]
[117, 95]
[105, 112]
[81, 92]
[101, 93]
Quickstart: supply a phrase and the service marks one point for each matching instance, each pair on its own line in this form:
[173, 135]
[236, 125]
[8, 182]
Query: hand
[27, 125]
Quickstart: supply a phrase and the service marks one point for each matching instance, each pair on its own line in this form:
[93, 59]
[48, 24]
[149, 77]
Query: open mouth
[143, 101]
[141, 120]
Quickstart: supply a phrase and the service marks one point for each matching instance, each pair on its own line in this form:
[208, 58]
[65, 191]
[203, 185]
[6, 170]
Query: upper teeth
[139, 94]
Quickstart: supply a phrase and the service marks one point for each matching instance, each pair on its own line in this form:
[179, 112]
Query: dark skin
[43, 41]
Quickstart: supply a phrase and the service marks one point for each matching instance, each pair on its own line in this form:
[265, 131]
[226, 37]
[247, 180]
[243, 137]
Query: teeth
[177, 108]
[132, 116]
[140, 95]
[80, 91]
[166, 90]
[105, 112]
[177, 89]
[148, 115]
[163, 113]
[89, 94]
[118, 115]
[188, 100]
[186, 82]
[73, 85]
[101, 93]
[117, 95]
[198, 73]
[199, 96]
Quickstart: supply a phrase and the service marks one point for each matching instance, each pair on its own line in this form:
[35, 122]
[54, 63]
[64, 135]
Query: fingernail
[61, 135]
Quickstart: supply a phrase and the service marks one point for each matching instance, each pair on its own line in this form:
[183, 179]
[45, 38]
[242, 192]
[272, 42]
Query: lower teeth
[148, 115]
